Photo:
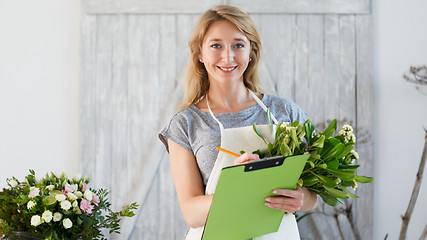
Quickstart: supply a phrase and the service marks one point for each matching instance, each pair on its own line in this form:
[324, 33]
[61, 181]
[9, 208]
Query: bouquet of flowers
[331, 167]
[57, 207]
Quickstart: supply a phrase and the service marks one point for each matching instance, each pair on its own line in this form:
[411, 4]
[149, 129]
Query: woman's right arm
[189, 185]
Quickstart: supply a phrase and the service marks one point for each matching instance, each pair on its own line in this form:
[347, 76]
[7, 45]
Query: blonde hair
[196, 80]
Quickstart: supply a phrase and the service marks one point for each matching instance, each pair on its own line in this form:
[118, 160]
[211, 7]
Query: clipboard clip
[264, 163]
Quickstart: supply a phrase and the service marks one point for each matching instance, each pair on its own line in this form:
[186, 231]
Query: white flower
[79, 194]
[60, 197]
[342, 132]
[47, 216]
[36, 220]
[67, 223]
[12, 182]
[65, 205]
[88, 195]
[57, 217]
[59, 174]
[50, 187]
[355, 154]
[31, 204]
[347, 128]
[71, 196]
[75, 203]
[34, 192]
[77, 177]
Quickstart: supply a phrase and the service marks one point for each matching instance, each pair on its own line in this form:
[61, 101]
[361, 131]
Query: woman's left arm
[293, 200]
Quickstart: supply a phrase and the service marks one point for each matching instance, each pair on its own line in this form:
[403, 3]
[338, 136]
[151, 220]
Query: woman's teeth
[228, 69]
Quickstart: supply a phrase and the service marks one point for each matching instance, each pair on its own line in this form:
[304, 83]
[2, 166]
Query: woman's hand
[292, 200]
[245, 158]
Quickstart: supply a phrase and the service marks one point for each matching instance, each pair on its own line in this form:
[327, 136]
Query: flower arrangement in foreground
[57, 207]
[331, 167]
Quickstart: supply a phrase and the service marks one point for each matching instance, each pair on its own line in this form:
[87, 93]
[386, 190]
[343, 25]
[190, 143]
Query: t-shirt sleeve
[178, 132]
[296, 113]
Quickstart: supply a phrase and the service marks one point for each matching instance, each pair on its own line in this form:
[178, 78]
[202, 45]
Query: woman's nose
[228, 55]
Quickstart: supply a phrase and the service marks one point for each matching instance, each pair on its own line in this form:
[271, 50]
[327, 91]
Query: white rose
[36, 220]
[60, 197]
[47, 216]
[88, 195]
[71, 196]
[34, 192]
[57, 216]
[67, 223]
[13, 183]
[65, 205]
[79, 194]
[50, 187]
[31, 204]
[75, 203]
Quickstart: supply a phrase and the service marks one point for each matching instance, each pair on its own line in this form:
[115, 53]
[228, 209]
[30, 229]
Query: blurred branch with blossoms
[417, 75]
[331, 168]
[57, 207]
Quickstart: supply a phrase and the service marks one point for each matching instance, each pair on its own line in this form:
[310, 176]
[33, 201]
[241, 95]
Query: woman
[223, 99]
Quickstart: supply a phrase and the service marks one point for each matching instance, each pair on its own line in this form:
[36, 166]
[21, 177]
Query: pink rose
[34, 192]
[95, 199]
[86, 206]
[84, 187]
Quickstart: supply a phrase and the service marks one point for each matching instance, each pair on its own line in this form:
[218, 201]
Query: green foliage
[51, 208]
[330, 170]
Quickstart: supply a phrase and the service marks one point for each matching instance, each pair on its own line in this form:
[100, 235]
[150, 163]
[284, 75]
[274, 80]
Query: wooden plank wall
[134, 53]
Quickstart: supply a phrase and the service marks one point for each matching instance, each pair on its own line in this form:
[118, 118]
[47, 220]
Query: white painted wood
[304, 6]
[133, 69]
[252, 6]
[103, 110]
[88, 96]
[365, 119]
[148, 6]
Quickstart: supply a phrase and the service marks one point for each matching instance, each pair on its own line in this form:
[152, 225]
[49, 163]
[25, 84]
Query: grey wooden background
[134, 55]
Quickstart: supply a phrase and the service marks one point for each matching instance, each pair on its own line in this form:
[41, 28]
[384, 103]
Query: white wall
[39, 87]
[39, 99]
[400, 40]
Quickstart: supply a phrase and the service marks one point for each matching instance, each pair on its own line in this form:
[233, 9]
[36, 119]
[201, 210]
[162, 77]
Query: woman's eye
[215, 46]
[239, 45]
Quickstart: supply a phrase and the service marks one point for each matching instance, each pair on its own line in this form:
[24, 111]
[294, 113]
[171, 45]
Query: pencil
[226, 151]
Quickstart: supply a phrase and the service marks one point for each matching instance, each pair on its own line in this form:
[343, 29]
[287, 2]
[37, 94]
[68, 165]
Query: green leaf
[347, 149]
[310, 181]
[350, 193]
[256, 131]
[363, 179]
[319, 142]
[344, 174]
[336, 192]
[336, 150]
[330, 129]
[309, 130]
[285, 150]
[328, 199]
[334, 164]
[326, 181]
[269, 119]
[294, 135]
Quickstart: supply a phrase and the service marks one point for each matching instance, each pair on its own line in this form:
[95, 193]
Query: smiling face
[225, 52]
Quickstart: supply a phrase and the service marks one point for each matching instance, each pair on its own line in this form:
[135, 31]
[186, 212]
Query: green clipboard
[237, 210]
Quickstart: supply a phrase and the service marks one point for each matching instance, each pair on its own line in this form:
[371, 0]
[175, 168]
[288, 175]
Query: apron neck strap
[254, 97]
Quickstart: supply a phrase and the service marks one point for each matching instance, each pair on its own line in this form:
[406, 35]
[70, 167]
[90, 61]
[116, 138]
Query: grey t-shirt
[196, 131]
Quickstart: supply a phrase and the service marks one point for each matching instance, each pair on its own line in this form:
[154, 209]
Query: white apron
[235, 140]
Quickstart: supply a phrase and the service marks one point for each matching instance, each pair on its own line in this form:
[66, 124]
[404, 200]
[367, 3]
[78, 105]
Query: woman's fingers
[245, 158]
[290, 200]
